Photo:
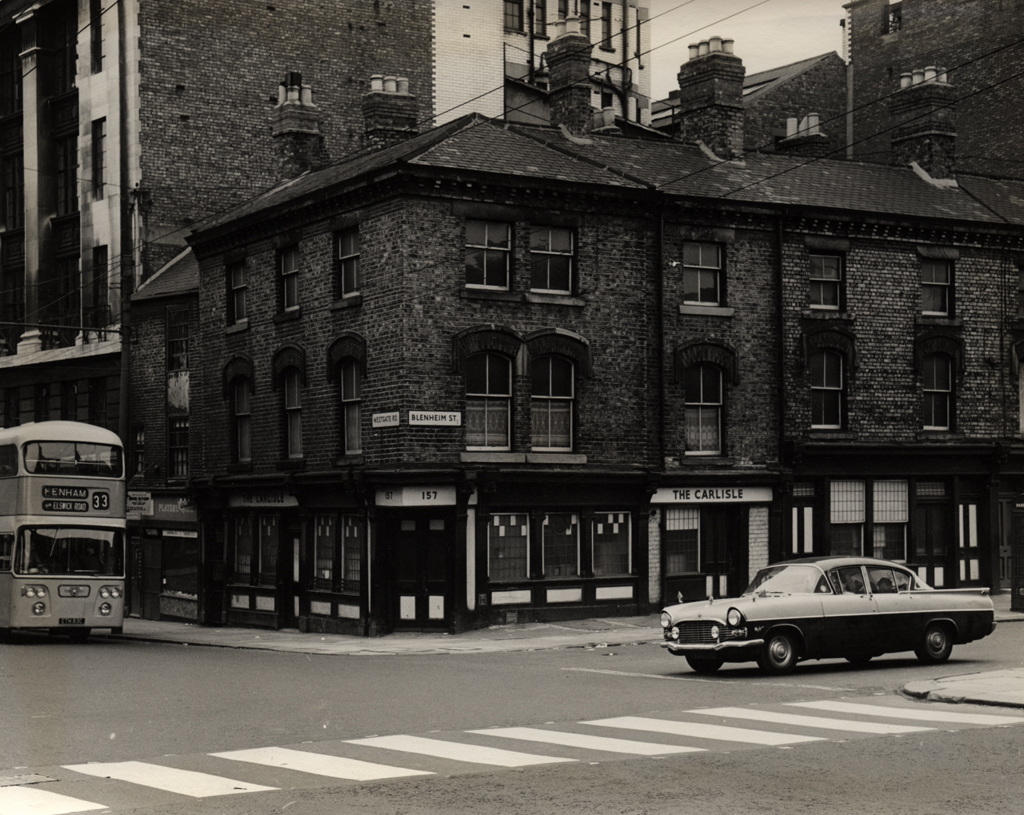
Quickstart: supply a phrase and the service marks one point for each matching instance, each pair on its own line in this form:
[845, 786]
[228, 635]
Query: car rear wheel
[704, 665]
[779, 654]
[937, 645]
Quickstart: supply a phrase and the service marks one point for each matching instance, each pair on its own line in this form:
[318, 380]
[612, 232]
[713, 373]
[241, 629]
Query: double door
[423, 546]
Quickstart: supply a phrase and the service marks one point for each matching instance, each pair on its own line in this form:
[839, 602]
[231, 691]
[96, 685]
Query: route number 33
[101, 500]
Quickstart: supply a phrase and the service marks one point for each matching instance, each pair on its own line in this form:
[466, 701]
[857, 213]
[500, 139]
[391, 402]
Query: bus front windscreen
[69, 550]
[73, 458]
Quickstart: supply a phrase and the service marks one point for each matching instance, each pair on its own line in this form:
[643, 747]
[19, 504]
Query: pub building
[497, 372]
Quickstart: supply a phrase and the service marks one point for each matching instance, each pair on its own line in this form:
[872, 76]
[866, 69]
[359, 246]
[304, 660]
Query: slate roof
[178, 276]
[476, 145]
[757, 85]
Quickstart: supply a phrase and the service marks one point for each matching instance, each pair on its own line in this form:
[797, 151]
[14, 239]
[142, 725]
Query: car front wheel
[937, 645]
[704, 665]
[779, 654]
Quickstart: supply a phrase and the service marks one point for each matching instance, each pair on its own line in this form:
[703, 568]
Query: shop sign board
[416, 497]
[139, 504]
[263, 498]
[712, 495]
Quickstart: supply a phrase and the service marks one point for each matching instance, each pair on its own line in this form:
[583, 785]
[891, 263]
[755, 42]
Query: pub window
[353, 539]
[268, 530]
[242, 419]
[890, 515]
[937, 381]
[847, 518]
[682, 540]
[293, 413]
[703, 396]
[552, 398]
[243, 547]
[561, 544]
[610, 542]
[324, 546]
[508, 547]
[827, 390]
[351, 407]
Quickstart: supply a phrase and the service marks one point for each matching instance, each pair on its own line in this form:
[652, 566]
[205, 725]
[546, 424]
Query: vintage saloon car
[817, 608]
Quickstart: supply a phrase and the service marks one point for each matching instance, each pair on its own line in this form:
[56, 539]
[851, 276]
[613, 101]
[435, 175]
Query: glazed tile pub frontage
[475, 549]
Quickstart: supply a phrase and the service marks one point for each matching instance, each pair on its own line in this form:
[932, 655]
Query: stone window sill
[555, 458]
[351, 301]
[237, 328]
[288, 316]
[936, 320]
[827, 314]
[831, 435]
[485, 457]
[707, 311]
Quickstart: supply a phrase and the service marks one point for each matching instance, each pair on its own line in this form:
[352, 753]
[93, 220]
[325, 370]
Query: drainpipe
[659, 296]
[625, 60]
[531, 12]
[780, 353]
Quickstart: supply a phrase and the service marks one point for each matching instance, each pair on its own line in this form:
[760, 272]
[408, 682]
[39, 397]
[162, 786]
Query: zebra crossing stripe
[700, 730]
[169, 779]
[318, 764]
[877, 728]
[936, 715]
[609, 745]
[472, 753]
[34, 801]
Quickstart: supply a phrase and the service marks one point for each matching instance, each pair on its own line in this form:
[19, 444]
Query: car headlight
[734, 617]
[666, 619]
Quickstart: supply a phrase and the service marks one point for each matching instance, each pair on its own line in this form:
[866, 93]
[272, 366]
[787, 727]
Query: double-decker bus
[62, 528]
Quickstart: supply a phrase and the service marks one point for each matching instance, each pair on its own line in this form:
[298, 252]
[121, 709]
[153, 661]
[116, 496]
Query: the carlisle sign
[712, 495]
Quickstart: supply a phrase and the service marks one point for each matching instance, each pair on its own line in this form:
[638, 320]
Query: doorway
[290, 566]
[422, 597]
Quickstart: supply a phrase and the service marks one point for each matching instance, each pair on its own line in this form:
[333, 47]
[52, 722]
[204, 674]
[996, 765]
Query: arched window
[703, 394]
[292, 382]
[241, 417]
[551, 403]
[827, 381]
[488, 401]
[938, 392]
[351, 407]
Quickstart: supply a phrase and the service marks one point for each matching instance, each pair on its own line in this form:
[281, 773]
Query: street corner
[999, 688]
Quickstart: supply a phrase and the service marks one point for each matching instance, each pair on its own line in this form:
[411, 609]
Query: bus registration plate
[71, 621]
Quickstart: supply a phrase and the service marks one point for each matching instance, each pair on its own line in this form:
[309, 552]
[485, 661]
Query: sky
[768, 33]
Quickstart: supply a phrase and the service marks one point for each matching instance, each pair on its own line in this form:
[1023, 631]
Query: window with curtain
[351, 407]
[826, 374]
[938, 392]
[293, 412]
[488, 401]
[703, 394]
[551, 403]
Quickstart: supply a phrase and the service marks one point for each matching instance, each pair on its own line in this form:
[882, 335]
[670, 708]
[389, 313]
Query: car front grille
[697, 632]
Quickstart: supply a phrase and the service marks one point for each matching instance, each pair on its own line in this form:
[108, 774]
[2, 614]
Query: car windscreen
[788, 579]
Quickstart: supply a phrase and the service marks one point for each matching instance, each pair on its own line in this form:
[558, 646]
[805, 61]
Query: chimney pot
[376, 82]
[403, 84]
[703, 48]
[929, 73]
[572, 24]
[812, 123]
[715, 44]
[906, 78]
[729, 46]
[918, 76]
[390, 84]
[942, 76]
[792, 126]
[694, 50]
[306, 95]
[282, 93]
[293, 93]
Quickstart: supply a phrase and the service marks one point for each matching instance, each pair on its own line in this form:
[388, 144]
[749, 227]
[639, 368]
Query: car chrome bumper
[681, 649]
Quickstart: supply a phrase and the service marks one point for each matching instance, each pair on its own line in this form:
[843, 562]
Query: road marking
[183, 782]
[33, 801]
[717, 680]
[319, 764]
[459, 752]
[609, 745]
[929, 715]
[703, 731]
[639, 675]
[878, 728]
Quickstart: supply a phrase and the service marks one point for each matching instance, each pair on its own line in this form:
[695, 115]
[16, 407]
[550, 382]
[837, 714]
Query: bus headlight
[33, 591]
[39, 609]
[105, 609]
[110, 591]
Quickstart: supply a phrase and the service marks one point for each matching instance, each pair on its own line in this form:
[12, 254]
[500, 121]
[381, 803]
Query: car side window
[882, 580]
[851, 580]
[904, 581]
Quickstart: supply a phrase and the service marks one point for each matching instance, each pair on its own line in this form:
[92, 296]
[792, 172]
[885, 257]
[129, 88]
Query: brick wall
[209, 76]
[977, 41]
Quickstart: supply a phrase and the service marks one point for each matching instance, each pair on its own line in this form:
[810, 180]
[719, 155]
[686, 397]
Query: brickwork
[654, 557]
[978, 41]
[820, 89]
[207, 92]
[757, 557]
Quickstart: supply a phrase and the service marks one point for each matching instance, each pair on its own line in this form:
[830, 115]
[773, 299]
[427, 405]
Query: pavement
[1004, 688]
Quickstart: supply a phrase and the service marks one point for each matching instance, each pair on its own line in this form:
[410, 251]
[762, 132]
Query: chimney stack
[804, 138]
[295, 126]
[568, 59]
[711, 97]
[923, 115]
[390, 112]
